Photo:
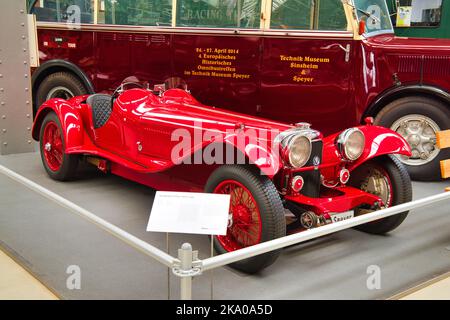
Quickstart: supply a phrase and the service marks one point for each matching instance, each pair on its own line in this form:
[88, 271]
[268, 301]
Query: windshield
[376, 15]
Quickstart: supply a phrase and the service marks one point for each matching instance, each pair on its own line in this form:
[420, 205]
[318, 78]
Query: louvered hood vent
[432, 65]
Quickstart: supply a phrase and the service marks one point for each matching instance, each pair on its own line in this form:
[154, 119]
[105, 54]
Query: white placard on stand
[188, 212]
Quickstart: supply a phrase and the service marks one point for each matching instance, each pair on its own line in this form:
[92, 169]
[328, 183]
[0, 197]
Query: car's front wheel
[387, 178]
[256, 213]
[58, 164]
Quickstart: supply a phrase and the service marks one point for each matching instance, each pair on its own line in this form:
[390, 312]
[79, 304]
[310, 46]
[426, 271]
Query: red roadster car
[281, 178]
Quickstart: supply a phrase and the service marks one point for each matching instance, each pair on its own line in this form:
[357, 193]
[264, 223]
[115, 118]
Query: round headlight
[298, 151]
[351, 143]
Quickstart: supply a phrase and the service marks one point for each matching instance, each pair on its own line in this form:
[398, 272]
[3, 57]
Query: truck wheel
[418, 119]
[387, 178]
[62, 85]
[256, 213]
[59, 165]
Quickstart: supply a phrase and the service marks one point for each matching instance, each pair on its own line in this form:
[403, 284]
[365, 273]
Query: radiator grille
[311, 178]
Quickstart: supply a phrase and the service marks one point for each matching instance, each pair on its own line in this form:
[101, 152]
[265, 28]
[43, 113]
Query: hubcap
[420, 132]
[60, 92]
[244, 221]
[377, 183]
[52, 146]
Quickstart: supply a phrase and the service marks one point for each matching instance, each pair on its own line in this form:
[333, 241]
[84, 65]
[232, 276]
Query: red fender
[379, 141]
[259, 153]
[69, 116]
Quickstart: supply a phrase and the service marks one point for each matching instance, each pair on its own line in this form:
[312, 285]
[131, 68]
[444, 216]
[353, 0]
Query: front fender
[250, 149]
[259, 152]
[379, 141]
[69, 118]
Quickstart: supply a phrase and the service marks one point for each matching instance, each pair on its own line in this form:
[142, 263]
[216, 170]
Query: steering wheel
[120, 89]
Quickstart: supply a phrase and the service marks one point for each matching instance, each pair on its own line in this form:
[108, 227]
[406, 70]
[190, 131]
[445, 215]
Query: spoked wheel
[58, 164]
[256, 213]
[244, 221]
[387, 178]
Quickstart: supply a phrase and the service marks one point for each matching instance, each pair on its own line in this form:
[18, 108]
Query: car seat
[101, 106]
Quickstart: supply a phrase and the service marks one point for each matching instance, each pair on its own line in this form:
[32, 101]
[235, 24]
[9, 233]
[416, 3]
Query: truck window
[219, 13]
[376, 15]
[136, 12]
[308, 15]
[80, 11]
[331, 15]
[292, 14]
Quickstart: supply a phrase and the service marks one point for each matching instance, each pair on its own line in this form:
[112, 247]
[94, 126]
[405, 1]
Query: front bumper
[340, 199]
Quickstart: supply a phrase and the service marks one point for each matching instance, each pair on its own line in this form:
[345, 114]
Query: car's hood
[179, 106]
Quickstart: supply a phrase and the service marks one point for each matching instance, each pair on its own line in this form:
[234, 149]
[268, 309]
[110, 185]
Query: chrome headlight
[297, 150]
[351, 143]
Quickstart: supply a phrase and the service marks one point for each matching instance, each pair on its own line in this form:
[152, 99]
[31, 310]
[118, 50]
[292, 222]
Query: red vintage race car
[282, 178]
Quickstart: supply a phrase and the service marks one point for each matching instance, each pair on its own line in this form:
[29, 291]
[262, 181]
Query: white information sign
[186, 212]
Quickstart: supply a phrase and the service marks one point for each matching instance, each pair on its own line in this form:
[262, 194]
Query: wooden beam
[443, 139]
[445, 168]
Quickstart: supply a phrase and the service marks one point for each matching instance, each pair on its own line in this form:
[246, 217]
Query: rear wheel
[418, 119]
[256, 213]
[62, 85]
[58, 164]
[387, 178]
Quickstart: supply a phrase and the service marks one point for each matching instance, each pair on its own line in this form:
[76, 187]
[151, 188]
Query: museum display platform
[47, 239]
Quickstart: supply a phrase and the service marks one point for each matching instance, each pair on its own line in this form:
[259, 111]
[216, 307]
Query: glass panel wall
[414, 13]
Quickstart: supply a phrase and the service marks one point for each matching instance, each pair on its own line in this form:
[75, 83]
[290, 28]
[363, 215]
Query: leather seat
[101, 108]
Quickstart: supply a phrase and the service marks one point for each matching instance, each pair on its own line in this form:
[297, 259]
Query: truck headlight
[297, 150]
[351, 143]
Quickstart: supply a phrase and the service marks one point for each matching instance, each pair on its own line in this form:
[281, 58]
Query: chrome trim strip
[200, 31]
[377, 33]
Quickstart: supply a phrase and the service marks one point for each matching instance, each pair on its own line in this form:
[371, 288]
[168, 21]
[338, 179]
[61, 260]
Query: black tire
[430, 108]
[269, 203]
[71, 83]
[69, 163]
[401, 190]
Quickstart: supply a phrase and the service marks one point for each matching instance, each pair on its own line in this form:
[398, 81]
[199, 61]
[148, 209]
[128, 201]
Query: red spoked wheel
[53, 148]
[244, 222]
[58, 164]
[256, 213]
[387, 178]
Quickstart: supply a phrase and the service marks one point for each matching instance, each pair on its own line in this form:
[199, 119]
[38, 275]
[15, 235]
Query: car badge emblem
[316, 161]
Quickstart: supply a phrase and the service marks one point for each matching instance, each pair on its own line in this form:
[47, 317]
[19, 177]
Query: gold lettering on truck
[304, 67]
[217, 63]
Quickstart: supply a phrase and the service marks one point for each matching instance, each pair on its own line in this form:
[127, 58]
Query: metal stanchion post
[185, 256]
[168, 269]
